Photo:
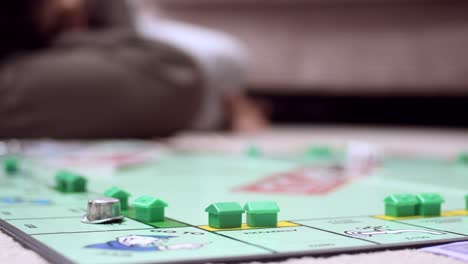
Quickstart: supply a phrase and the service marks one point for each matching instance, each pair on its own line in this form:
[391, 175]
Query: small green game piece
[429, 204]
[320, 152]
[253, 152]
[149, 209]
[120, 194]
[463, 158]
[10, 165]
[70, 182]
[399, 205]
[466, 202]
[262, 214]
[225, 215]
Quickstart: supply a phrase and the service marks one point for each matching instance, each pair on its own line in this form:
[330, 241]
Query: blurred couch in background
[376, 47]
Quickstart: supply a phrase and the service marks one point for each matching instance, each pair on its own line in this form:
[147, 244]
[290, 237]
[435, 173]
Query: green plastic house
[466, 202]
[463, 158]
[429, 204]
[10, 165]
[399, 205]
[70, 182]
[319, 152]
[225, 215]
[253, 152]
[149, 209]
[120, 194]
[262, 214]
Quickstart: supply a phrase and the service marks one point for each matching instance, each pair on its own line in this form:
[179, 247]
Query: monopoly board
[326, 208]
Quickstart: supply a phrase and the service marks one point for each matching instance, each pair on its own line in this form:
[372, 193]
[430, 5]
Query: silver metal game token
[102, 210]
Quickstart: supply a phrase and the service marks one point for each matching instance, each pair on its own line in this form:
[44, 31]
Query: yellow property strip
[246, 227]
[443, 214]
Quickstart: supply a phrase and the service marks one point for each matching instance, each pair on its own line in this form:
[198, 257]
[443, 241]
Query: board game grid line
[415, 225]
[97, 231]
[173, 223]
[228, 237]
[231, 238]
[326, 218]
[38, 218]
[239, 240]
[343, 235]
[164, 227]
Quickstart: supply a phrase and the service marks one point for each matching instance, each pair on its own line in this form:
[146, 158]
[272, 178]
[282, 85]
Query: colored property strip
[443, 214]
[246, 227]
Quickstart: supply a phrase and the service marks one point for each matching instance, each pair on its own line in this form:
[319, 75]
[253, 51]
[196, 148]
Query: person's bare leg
[245, 115]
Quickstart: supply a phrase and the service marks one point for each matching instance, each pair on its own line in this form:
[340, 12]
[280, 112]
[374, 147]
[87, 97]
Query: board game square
[147, 246]
[71, 225]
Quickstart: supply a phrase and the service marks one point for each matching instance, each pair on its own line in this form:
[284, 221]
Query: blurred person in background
[79, 69]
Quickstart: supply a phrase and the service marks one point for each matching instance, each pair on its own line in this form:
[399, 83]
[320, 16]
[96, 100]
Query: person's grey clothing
[102, 84]
[107, 82]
